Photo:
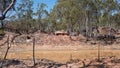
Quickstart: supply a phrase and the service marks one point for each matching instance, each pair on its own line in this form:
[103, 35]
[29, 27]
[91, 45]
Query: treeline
[69, 15]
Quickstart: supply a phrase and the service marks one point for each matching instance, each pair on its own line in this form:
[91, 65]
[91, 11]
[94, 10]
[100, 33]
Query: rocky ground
[106, 62]
[49, 39]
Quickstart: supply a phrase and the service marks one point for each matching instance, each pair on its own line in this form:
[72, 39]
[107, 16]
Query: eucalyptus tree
[109, 8]
[24, 15]
[41, 14]
[52, 21]
[65, 14]
[80, 14]
[116, 20]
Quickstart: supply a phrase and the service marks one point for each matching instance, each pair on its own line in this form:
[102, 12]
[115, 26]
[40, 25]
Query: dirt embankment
[45, 39]
[50, 40]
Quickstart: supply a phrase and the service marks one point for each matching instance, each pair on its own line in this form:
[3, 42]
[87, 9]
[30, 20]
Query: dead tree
[8, 47]
[3, 15]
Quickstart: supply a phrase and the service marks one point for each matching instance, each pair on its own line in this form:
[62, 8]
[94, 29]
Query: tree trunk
[8, 47]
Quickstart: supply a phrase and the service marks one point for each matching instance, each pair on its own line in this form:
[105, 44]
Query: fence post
[34, 51]
[98, 51]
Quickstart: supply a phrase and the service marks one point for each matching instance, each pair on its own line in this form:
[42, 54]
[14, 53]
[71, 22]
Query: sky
[50, 3]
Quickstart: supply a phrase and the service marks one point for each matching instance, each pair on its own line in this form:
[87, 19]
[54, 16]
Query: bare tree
[5, 9]
[8, 47]
[2, 17]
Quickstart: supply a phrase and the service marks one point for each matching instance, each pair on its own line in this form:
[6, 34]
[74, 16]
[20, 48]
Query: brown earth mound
[45, 39]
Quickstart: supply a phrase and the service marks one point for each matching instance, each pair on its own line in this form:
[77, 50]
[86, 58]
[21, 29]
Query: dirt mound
[43, 39]
[60, 40]
[46, 39]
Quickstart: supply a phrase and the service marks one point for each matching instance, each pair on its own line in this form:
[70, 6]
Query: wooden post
[98, 51]
[34, 51]
[71, 57]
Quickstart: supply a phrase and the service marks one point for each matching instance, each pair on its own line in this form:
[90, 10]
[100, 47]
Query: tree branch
[7, 9]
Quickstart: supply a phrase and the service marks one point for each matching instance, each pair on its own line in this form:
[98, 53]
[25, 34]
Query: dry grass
[63, 56]
[60, 53]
